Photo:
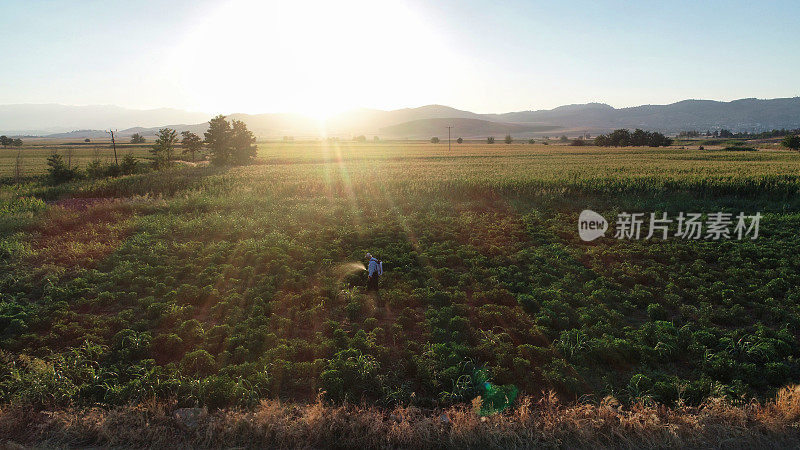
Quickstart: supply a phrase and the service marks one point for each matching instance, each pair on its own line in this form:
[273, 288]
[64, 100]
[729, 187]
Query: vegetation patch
[222, 286]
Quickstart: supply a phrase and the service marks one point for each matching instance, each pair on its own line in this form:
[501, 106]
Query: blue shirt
[374, 266]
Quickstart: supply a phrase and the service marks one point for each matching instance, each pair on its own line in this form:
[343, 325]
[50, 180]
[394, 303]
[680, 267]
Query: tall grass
[535, 422]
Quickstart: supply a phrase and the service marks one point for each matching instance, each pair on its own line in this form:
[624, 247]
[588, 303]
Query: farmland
[221, 287]
[33, 157]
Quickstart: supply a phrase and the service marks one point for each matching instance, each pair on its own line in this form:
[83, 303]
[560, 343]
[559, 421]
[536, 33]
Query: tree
[638, 138]
[137, 138]
[218, 140]
[531, 141]
[58, 170]
[16, 142]
[87, 140]
[508, 139]
[434, 140]
[563, 138]
[164, 146]
[243, 149]
[5, 141]
[620, 138]
[459, 140]
[191, 143]
[624, 138]
[490, 140]
[723, 133]
[360, 138]
[791, 142]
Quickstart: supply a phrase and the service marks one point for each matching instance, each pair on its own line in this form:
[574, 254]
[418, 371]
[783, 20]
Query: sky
[322, 57]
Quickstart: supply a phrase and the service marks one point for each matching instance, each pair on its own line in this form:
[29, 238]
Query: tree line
[639, 138]
[727, 134]
[6, 141]
[227, 143]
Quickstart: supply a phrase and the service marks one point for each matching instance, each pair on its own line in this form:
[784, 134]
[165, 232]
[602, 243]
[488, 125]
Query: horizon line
[362, 108]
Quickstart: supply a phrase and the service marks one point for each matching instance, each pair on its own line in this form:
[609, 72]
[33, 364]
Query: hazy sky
[319, 57]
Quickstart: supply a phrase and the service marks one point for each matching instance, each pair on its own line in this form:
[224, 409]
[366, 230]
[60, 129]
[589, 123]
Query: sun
[310, 57]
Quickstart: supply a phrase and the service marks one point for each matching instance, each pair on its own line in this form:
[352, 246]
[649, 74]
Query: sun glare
[310, 57]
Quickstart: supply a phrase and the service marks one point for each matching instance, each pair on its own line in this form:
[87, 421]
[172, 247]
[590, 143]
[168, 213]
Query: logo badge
[591, 225]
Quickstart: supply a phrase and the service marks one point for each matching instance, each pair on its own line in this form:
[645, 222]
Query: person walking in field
[374, 272]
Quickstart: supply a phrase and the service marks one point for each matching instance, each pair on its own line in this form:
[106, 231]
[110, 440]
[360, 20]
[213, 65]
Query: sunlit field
[33, 157]
[222, 287]
[521, 161]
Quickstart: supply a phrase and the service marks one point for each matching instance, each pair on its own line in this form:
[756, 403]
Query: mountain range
[77, 122]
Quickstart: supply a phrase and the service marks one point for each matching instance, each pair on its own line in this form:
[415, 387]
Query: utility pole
[448, 139]
[114, 144]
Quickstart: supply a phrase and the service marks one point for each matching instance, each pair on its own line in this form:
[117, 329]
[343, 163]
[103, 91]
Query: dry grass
[540, 422]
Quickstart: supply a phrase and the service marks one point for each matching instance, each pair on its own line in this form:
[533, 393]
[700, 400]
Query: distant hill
[51, 118]
[371, 121]
[81, 134]
[277, 124]
[467, 128]
[423, 122]
[739, 115]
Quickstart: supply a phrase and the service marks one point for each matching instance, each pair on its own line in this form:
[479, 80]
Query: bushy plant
[59, 171]
[791, 142]
[351, 375]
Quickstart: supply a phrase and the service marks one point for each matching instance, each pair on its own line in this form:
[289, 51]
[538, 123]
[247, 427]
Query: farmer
[374, 272]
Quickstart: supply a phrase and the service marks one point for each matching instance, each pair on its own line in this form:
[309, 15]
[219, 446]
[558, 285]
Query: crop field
[227, 286]
[33, 158]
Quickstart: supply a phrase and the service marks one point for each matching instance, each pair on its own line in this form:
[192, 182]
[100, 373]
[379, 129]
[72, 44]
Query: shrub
[198, 363]
[640, 386]
[792, 142]
[58, 170]
[351, 375]
[113, 170]
[129, 165]
[657, 312]
[168, 347]
[95, 169]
